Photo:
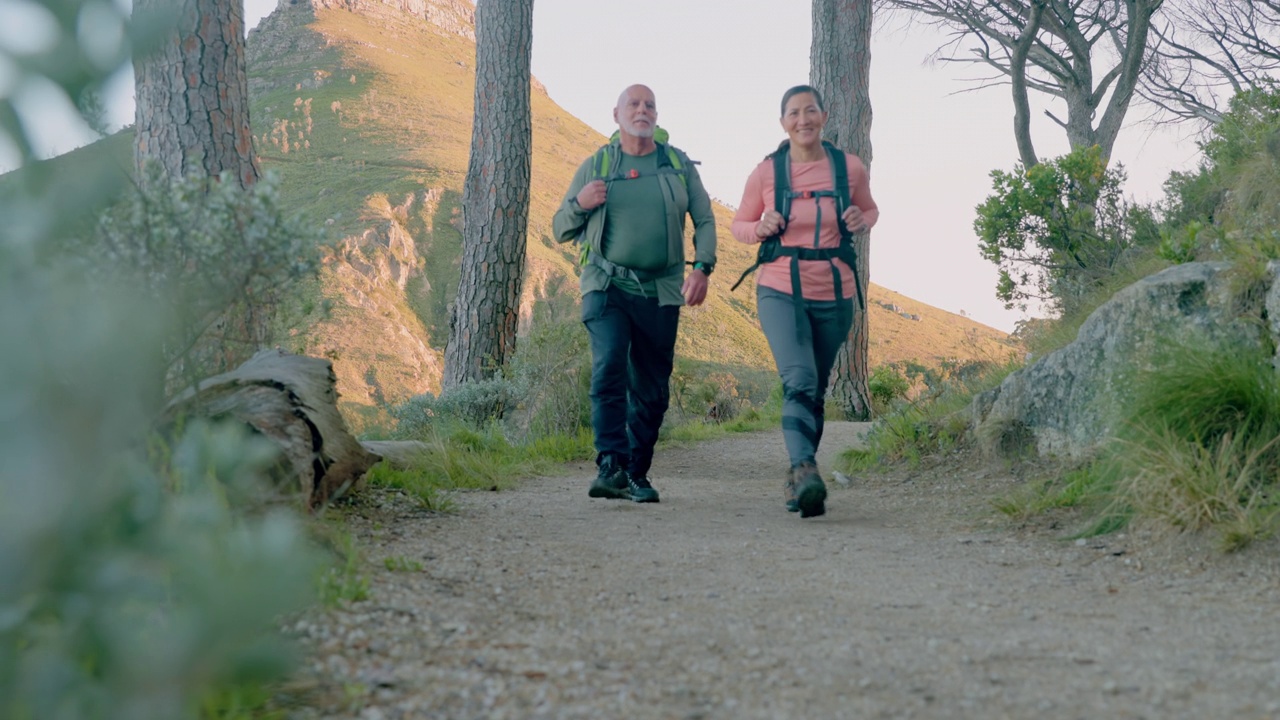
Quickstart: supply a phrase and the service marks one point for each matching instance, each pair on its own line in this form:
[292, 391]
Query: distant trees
[840, 68]
[192, 113]
[495, 199]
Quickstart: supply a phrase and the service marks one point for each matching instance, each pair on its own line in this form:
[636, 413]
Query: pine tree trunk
[840, 68]
[495, 199]
[192, 94]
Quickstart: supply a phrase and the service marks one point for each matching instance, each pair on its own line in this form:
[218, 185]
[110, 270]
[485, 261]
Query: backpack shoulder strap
[840, 178]
[603, 161]
[782, 180]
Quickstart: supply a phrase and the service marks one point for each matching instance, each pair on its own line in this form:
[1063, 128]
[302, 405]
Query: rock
[1066, 403]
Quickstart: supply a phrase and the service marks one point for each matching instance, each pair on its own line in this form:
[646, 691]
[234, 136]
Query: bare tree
[192, 111]
[840, 68]
[1207, 51]
[495, 199]
[1053, 47]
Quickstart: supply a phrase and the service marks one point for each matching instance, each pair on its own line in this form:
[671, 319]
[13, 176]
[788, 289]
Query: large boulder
[1066, 403]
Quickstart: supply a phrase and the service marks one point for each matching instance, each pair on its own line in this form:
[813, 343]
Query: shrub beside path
[911, 598]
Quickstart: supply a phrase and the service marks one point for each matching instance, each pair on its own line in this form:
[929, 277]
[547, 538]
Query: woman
[806, 287]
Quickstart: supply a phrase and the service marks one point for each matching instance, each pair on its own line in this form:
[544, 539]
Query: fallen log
[292, 401]
[399, 454]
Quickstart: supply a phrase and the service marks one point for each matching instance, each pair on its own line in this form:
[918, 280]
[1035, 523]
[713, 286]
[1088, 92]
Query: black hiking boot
[611, 481]
[641, 490]
[810, 491]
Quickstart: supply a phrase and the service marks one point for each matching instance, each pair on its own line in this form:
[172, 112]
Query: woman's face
[803, 119]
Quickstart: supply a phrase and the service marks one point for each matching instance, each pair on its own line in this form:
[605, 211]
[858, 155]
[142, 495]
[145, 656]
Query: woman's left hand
[854, 221]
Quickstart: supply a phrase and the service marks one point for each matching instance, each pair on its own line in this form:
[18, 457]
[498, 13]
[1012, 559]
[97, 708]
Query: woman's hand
[854, 221]
[771, 223]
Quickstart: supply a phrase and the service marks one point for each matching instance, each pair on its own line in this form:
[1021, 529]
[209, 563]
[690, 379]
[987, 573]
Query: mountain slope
[364, 107]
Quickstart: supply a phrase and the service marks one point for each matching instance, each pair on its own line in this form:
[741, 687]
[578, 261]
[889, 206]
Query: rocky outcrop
[453, 16]
[1065, 403]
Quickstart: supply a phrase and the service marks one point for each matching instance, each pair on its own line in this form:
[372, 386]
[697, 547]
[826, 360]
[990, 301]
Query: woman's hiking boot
[641, 490]
[810, 491]
[611, 480]
[789, 492]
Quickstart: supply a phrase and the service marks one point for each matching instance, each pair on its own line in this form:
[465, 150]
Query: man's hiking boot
[611, 481]
[641, 490]
[810, 491]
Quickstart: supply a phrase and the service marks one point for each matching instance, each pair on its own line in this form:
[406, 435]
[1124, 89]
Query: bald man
[627, 206]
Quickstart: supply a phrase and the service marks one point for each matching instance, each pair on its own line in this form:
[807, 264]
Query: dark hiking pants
[804, 357]
[633, 343]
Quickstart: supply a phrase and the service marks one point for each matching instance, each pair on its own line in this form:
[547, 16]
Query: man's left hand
[695, 288]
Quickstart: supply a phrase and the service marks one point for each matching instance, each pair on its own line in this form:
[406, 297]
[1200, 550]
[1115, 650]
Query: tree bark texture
[840, 68]
[192, 113]
[495, 199]
[292, 401]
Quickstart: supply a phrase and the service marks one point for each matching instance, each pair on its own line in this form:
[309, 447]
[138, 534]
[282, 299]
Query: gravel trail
[911, 598]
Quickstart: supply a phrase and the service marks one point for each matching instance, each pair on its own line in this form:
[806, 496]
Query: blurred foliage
[139, 578]
[220, 256]
[127, 589]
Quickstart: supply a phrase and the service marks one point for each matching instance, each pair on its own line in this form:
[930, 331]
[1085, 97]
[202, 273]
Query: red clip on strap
[633, 174]
[807, 194]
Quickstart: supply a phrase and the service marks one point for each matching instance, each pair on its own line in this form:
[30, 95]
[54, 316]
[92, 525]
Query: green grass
[342, 581]
[1197, 449]
[402, 564]
[933, 422]
[464, 459]
[250, 701]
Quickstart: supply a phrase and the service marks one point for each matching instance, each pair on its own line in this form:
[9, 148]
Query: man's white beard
[640, 132]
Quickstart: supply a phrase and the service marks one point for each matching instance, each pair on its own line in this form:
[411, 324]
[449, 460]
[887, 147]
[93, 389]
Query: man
[627, 205]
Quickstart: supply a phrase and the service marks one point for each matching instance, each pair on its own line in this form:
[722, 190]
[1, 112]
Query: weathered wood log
[399, 454]
[291, 400]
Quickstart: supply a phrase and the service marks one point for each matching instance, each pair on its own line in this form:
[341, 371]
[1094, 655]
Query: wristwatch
[705, 268]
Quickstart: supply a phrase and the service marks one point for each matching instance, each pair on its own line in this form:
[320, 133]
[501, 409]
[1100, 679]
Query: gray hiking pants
[804, 356]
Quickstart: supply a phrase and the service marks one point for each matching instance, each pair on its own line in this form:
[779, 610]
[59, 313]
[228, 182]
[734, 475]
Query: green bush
[126, 590]
[887, 384]
[1058, 229]
[219, 256]
[552, 369]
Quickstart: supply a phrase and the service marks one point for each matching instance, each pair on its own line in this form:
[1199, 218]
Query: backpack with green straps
[669, 162]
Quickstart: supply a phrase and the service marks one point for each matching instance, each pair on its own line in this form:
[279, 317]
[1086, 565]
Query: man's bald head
[637, 111]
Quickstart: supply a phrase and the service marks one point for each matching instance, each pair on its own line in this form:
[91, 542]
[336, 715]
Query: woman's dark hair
[798, 90]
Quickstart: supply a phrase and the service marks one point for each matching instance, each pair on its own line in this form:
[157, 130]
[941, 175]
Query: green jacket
[680, 197]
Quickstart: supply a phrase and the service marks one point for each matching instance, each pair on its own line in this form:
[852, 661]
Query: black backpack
[771, 248]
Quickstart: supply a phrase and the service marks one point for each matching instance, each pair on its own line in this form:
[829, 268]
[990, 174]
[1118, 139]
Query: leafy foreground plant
[124, 592]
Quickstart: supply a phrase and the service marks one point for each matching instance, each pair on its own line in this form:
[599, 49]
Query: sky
[718, 69]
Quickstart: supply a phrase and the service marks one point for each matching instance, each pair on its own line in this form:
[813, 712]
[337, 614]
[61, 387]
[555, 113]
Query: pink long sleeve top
[816, 280]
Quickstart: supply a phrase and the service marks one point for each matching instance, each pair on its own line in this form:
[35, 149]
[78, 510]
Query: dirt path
[908, 600]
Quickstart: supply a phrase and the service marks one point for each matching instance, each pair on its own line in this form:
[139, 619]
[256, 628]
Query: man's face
[637, 112]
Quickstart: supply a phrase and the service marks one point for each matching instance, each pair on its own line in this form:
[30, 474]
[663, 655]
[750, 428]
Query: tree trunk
[495, 199]
[840, 68]
[292, 401]
[192, 112]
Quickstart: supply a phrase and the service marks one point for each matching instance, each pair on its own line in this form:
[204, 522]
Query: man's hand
[592, 195]
[695, 288]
